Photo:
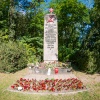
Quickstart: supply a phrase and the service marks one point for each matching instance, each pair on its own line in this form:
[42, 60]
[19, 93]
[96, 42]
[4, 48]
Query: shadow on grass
[75, 68]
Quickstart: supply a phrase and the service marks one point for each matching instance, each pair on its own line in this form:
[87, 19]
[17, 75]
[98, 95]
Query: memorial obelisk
[50, 37]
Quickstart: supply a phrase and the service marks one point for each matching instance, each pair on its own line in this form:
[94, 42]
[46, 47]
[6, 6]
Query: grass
[7, 80]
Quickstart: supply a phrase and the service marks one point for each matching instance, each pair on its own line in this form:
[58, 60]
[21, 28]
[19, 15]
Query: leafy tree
[92, 40]
[73, 17]
[88, 57]
[4, 6]
[32, 37]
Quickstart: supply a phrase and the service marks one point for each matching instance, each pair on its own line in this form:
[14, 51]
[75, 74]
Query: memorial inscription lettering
[50, 36]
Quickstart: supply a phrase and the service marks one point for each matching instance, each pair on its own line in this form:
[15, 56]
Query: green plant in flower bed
[54, 85]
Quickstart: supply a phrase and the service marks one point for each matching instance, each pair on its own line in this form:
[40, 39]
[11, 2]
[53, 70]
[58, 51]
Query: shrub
[34, 48]
[97, 60]
[30, 51]
[86, 60]
[12, 57]
[64, 53]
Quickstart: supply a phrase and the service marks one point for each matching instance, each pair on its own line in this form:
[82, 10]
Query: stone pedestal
[50, 38]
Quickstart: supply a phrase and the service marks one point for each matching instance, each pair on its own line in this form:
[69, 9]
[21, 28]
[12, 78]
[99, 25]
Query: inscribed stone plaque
[50, 38]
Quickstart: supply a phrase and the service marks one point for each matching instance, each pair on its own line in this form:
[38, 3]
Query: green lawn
[7, 80]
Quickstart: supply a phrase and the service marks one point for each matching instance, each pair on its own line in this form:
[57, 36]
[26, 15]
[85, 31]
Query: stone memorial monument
[50, 37]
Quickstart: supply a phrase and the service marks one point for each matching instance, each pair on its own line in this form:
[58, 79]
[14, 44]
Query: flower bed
[54, 85]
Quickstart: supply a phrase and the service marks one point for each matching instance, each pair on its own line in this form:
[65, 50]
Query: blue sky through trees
[88, 3]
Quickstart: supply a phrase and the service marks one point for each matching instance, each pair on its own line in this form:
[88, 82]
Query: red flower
[50, 85]
[12, 86]
[21, 79]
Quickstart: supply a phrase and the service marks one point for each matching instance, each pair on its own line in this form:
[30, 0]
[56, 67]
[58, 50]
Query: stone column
[50, 37]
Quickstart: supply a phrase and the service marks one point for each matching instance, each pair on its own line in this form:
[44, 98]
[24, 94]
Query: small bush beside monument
[12, 57]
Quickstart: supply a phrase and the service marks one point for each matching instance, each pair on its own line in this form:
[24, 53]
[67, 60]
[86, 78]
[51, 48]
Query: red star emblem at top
[50, 10]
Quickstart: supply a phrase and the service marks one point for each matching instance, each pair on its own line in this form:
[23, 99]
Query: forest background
[21, 33]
